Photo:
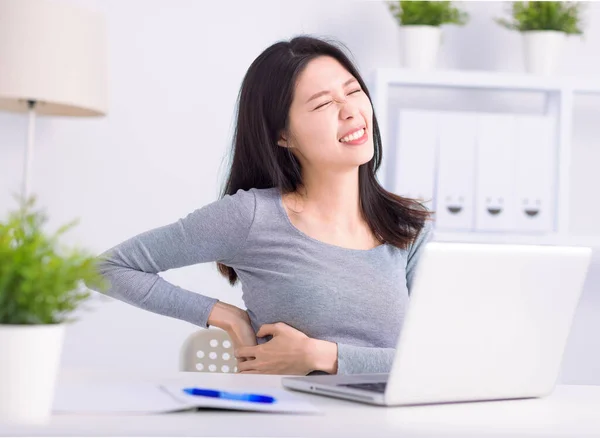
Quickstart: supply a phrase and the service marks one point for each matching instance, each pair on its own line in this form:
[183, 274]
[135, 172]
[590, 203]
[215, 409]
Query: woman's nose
[348, 110]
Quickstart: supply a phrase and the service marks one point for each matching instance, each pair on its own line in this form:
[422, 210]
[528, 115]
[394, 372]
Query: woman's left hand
[288, 352]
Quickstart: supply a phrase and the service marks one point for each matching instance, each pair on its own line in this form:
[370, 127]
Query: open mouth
[357, 135]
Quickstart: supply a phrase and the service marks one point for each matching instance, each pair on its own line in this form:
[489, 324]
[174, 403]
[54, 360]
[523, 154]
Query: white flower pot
[420, 46]
[542, 50]
[30, 356]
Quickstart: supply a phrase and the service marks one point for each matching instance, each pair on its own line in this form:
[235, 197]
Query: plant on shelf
[41, 284]
[544, 15]
[544, 26]
[420, 23]
[427, 13]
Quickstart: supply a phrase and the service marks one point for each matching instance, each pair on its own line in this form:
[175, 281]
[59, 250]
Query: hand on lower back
[242, 334]
[235, 322]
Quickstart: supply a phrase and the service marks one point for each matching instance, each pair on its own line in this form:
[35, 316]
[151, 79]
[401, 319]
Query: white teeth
[356, 135]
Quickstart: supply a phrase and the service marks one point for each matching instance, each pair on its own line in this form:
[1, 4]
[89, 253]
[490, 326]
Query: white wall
[175, 71]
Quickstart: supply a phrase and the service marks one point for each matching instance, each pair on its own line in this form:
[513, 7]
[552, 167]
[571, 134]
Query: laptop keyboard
[374, 387]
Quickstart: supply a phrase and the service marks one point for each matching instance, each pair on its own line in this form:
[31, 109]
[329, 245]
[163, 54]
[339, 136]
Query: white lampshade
[55, 54]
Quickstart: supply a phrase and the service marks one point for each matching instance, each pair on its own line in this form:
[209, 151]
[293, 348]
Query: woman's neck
[333, 199]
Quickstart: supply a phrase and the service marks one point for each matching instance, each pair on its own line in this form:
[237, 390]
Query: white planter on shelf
[420, 46]
[28, 371]
[542, 50]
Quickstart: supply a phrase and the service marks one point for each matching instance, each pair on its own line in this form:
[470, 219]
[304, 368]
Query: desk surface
[570, 411]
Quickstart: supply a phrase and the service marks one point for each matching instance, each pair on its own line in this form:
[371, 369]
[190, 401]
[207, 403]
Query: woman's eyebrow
[321, 93]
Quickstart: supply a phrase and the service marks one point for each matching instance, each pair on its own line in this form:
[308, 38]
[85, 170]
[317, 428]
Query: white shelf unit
[559, 93]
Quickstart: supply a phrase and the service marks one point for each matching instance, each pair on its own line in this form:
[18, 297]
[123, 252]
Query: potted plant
[544, 26]
[420, 22]
[41, 283]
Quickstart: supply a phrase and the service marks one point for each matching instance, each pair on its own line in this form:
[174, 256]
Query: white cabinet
[454, 200]
[415, 155]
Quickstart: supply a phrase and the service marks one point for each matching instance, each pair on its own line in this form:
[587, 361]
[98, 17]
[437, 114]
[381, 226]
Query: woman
[325, 255]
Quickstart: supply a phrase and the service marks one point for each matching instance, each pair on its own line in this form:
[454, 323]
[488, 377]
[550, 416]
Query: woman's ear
[283, 140]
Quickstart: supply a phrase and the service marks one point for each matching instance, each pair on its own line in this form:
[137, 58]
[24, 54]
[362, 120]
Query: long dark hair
[259, 162]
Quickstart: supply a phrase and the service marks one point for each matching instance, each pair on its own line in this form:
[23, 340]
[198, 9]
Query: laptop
[484, 322]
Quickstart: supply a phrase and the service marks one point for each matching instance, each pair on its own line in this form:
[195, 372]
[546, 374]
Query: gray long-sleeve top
[355, 298]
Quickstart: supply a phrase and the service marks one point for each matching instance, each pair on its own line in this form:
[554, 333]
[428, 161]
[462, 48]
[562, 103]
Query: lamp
[52, 62]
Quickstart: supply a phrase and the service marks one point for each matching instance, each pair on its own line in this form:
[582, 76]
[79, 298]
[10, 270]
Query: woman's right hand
[235, 322]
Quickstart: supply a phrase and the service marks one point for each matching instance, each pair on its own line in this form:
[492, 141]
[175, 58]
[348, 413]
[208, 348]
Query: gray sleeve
[213, 233]
[358, 360]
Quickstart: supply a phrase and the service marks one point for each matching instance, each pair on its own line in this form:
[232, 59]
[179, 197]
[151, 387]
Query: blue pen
[254, 398]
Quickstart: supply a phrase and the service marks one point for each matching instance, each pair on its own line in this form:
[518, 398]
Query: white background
[175, 71]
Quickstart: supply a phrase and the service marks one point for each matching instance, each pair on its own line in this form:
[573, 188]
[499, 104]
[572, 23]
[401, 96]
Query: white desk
[572, 411]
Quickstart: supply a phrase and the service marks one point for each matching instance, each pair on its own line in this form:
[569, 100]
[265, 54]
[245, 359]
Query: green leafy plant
[544, 15]
[40, 281]
[429, 13]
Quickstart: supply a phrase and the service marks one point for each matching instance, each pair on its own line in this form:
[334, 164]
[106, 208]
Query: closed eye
[322, 105]
[327, 103]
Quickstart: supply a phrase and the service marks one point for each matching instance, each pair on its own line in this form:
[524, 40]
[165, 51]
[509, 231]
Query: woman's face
[330, 119]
